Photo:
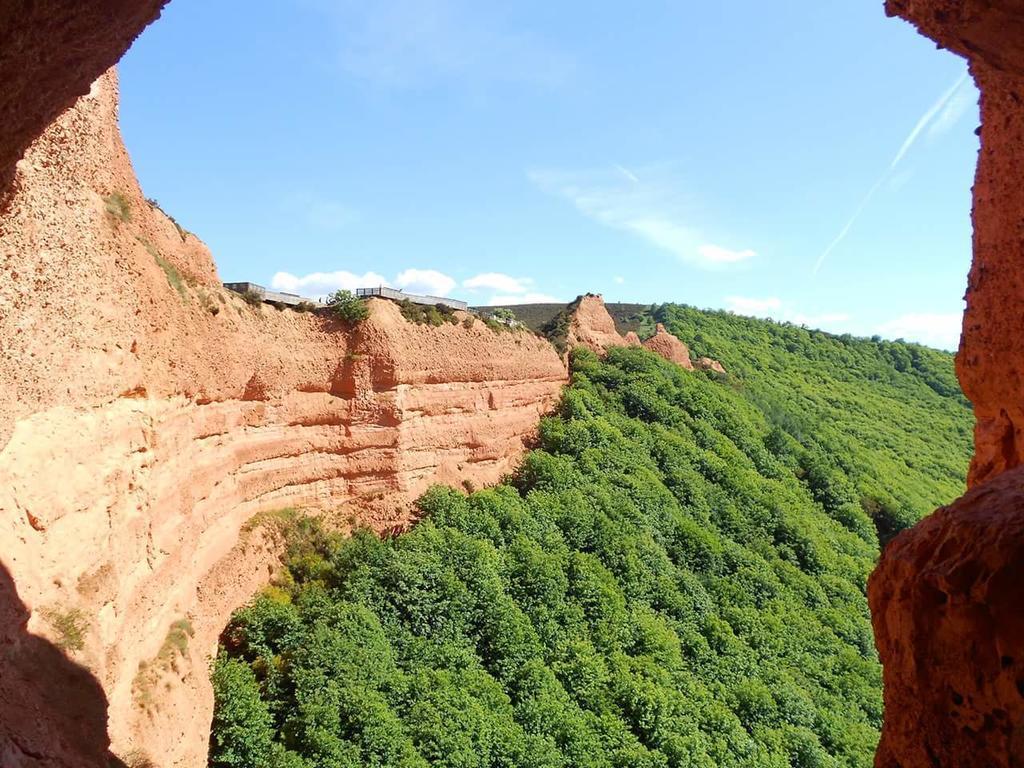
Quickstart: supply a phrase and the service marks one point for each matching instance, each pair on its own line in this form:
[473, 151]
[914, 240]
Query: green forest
[675, 576]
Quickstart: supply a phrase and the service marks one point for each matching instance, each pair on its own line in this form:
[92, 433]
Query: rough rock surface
[147, 414]
[946, 598]
[669, 347]
[50, 53]
[991, 357]
[592, 327]
[948, 611]
[708, 364]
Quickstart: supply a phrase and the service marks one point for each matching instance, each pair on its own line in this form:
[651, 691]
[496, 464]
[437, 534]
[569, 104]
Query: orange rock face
[946, 598]
[592, 327]
[669, 347]
[146, 414]
[50, 53]
[948, 610]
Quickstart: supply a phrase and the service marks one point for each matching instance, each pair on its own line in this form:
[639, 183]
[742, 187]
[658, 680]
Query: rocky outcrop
[949, 624]
[148, 414]
[708, 364]
[669, 347]
[991, 357]
[591, 326]
[50, 53]
[946, 599]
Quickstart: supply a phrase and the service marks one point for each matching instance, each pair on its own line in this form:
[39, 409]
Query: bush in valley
[346, 306]
[674, 577]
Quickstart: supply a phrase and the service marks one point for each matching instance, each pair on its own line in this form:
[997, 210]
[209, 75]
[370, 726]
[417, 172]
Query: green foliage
[556, 329]
[118, 207]
[253, 298]
[348, 307]
[69, 625]
[427, 314]
[155, 204]
[857, 418]
[675, 577]
[174, 277]
[241, 732]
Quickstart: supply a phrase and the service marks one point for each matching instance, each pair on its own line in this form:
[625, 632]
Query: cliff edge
[148, 414]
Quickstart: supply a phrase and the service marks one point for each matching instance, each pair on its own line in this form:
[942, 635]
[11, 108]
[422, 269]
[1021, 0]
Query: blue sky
[809, 162]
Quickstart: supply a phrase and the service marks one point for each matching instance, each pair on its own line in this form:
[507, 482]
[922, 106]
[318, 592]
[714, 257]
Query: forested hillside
[889, 416]
[675, 577]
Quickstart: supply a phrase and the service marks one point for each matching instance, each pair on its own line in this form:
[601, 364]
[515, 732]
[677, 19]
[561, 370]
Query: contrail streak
[926, 118]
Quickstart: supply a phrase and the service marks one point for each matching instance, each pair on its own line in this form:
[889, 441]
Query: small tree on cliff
[348, 306]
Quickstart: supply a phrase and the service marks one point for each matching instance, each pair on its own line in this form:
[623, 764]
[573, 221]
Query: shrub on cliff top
[346, 306]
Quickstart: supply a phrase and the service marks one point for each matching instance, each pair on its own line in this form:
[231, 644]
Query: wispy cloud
[926, 118]
[428, 281]
[508, 289]
[935, 329]
[317, 284]
[958, 105]
[775, 308]
[646, 204]
[498, 281]
[317, 212]
[949, 107]
[411, 43]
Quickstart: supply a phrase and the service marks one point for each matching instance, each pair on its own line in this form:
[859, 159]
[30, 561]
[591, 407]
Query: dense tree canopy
[888, 416]
[675, 577]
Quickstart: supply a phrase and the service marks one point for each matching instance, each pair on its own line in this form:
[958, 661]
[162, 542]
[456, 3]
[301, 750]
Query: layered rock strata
[148, 414]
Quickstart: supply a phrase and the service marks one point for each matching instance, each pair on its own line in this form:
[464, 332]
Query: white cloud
[619, 279]
[743, 305]
[935, 329]
[652, 209]
[524, 298]
[775, 308]
[428, 281]
[716, 254]
[498, 281]
[321, 283]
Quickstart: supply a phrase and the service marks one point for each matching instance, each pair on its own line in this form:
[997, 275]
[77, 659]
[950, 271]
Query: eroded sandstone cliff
[148, 414]
[946, 597]
[50, 53]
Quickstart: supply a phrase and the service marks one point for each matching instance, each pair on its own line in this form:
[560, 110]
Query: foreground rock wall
[946, 598]
[50, 53]
[147, 414]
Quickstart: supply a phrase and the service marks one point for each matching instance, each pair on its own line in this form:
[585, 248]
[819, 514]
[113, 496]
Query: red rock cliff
[146, 414]
[946, 598]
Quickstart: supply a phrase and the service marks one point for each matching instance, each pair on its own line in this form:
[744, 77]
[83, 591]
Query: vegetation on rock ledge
[674, 578]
